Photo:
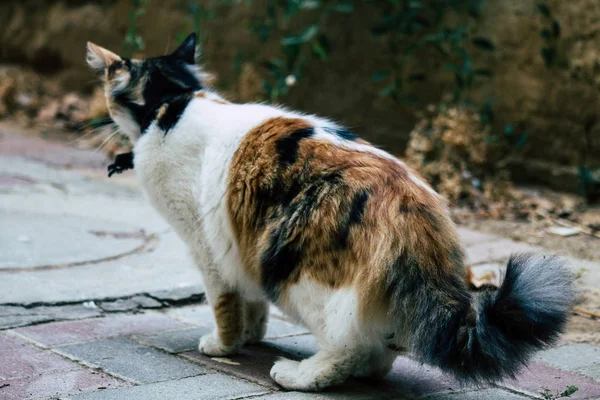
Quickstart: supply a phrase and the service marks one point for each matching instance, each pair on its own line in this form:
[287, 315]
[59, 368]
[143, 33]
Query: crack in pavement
[149, 244]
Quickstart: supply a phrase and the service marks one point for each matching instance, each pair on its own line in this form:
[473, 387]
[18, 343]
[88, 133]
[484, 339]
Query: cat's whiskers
[114, 132]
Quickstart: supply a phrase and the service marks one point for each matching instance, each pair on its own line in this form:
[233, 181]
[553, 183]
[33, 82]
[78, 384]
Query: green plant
[548, 395]
[550, 34]
[197, 16]
[133, 41]
[298, 45]
[405, 26]
[590, 183]
[413, 26]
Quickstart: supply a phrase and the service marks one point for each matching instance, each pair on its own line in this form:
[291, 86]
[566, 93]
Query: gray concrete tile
[278, 328]
[205, 387]
[132, 361]
[487, 394]
[470, 237]
[54, 385]
[537, 376]
[302, 346]
[60, 333]
[21, 359]
[176, 341]
[583, 359]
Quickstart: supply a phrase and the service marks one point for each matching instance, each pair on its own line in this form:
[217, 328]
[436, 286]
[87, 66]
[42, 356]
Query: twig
[569, 224]
[579, 310]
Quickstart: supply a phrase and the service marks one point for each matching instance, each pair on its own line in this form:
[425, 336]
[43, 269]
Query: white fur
[184, 174]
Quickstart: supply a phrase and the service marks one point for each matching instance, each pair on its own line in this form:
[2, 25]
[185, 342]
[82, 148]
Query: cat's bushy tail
[490, 336]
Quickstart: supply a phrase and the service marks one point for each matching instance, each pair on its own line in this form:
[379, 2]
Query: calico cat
[277, 206]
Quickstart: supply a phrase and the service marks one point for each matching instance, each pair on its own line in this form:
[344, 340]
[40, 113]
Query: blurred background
[495, 102]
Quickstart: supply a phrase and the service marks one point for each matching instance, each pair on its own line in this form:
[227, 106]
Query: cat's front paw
[212, 346]
[114, 169]
[288, 375]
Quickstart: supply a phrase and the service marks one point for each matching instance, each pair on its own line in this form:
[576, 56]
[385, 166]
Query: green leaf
[509, 129]
[310, 4]
[304, 37]
[543, 9]
[320, 51]
[434, 37]
[388, 91]
[522, 140]
[483, 43]
[451, 67]
[379, 76]
[555, 28]
[545, 33]
[344, 8]
[548, 54]
[483, 72]
[415, 4]
[417, 76]
[569, 391]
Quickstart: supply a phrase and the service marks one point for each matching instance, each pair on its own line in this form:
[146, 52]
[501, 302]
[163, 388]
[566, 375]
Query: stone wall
[558, 105]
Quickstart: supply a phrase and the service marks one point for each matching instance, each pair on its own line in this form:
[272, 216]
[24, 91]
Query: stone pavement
[99, 301]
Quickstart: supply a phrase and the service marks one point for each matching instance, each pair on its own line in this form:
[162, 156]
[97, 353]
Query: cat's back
[312, 200]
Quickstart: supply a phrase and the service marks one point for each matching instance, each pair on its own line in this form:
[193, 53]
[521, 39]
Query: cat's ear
[187, 50]
[98, 58]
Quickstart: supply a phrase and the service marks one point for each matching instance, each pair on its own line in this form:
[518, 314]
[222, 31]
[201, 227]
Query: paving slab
[14, 321]
[301, 346]
[35, 239]
[498, 250]
[59, 333]
[581, 358]
[175, 341]
[537, 376]
[253, 363]
[54, 385]
[470, 237]
[205, 387]
[57, 221]
[129, 304]
[21, 359]
[487, 394]
[419, 380]
[203, 315]
[131, 361]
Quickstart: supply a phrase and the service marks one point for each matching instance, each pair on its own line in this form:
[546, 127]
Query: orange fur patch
[302, 207]
[229, 318]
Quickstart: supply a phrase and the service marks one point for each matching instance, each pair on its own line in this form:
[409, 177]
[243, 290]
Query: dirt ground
[536, 233]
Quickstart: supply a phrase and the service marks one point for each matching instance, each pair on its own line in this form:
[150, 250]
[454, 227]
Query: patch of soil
[582, 328]
[535, 232]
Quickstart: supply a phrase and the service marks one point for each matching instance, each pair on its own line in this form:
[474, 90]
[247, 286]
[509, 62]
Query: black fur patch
[169, 79]
[175, 109]
[279, 261]
[342, 133]
[287, 146]
[292, 207]
[357, 209]
[488, 338]
[122, 163]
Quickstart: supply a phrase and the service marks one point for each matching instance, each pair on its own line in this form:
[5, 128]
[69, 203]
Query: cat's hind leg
[256, 314]
[346, 342]
[378, 365]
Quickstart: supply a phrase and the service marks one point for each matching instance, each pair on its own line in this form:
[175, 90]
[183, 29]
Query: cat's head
[135, 88]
